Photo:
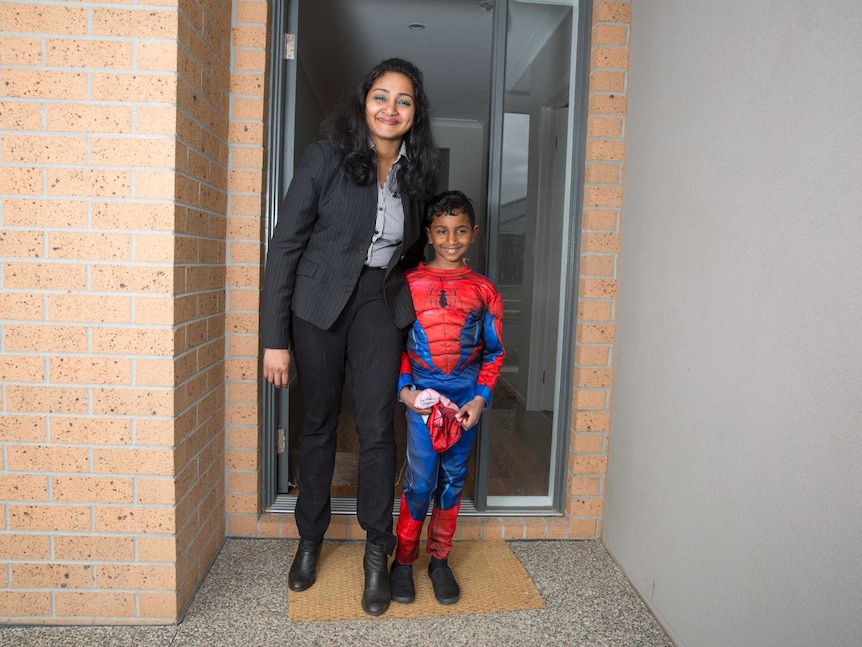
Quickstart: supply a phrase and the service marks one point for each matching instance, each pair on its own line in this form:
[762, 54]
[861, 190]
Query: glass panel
[529, 249]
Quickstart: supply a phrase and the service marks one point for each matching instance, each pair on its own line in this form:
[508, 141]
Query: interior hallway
[243, 602]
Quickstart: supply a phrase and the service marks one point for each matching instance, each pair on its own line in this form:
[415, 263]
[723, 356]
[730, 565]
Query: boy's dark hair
[449, 203]
[347, 129]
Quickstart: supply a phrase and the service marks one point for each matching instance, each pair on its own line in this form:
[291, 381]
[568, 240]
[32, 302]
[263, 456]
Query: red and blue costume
[454, 347]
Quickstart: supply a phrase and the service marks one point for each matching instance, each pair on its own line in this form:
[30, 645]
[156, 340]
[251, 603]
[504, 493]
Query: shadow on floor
[243, 602]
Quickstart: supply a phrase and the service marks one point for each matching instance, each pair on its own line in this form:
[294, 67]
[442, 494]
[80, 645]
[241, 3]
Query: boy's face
[451, 237]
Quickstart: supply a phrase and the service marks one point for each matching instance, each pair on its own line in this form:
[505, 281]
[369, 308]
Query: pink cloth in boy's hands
[444, 423]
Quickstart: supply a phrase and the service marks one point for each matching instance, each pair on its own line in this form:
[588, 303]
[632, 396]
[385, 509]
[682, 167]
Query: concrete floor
[243, 602]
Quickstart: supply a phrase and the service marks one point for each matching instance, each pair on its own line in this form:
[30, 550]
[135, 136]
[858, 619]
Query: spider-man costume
[455, 347]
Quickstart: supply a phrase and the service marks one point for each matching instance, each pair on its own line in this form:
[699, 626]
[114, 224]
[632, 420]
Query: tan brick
[513, 528]
[612, 12]
[609, 57]
[596, 356]
[136, 577]
[23, 487]
[91, 309]
[596, 333]
[588, 443]
[91, 430]
[133, 341]
[588, 464]
[88, 53]
[131, 87]
[603, 149]
[89, 118]
[22, 307]
[558, 528]
[608, 81]
[21, 368]
[603, 173]
[89, 182]
[245, 526]
[158, 605]
[91, 489]
[592, 421]
[37, 399]
[36, 338]
[24, 604]
[127, 519]
[132, 278]
[44, 84]
[135, 23]
[597, 265]
[598, 288]
[16, 116]
[590, 400]
[22, 17]
[152, 431]
[156, 491]
[22, 428]
[94, 604]
[155, 372]
[46, 458]
[155, 56]
[139, 152]
[609, 34]
[45, 213]
[593, 377]
[583, 486]
[158, 185]
[42, 276]
[607, 104]
[56, 518]
[42, 576]
[585, 507]
[132, 461]
[93, 548]
[603, 196]
[595, 310]
[604, 127]
[583, 529]
[40, 149]
[20, 180]
[24, 547]
[90, 370]
[157, 549]
[155, 311]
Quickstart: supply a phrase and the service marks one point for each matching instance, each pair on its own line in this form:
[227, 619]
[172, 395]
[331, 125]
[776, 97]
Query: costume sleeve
[493, 352]
[296, 219]
[406, 377]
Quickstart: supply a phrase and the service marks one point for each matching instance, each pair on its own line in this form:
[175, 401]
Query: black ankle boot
[303, 571]
[446, 589]
[376, 596]
[401, 582]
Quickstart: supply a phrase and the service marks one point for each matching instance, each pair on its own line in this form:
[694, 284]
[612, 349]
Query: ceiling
[340, 40]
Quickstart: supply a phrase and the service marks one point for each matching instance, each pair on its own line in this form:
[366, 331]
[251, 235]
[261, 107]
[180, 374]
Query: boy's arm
[493, 353]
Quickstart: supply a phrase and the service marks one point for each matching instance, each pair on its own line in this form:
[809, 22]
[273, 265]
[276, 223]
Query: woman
[335, 294]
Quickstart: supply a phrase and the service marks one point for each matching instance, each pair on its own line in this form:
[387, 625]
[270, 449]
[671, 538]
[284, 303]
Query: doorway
[506, 84]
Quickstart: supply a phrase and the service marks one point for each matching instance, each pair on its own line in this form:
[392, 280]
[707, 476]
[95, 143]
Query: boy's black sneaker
[446, 589]
[401, 583]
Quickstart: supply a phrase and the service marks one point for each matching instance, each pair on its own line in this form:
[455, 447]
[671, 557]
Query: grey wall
[734, 496]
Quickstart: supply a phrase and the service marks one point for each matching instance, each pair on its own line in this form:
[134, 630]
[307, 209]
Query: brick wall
[113, 173]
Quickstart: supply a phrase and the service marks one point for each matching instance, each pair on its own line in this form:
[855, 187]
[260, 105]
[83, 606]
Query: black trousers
[365, 341]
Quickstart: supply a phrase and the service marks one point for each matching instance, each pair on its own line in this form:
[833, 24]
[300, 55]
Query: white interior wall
[734, 492]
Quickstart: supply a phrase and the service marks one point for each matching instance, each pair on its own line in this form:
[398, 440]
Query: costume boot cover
[441, 530]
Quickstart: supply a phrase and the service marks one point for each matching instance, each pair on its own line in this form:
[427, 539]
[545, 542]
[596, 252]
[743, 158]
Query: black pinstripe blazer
[320, 244]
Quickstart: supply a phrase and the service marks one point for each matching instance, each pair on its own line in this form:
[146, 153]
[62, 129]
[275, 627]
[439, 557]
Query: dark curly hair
[449, 203]
[348, 130]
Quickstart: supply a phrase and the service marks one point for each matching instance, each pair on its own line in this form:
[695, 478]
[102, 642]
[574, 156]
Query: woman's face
[390, 107]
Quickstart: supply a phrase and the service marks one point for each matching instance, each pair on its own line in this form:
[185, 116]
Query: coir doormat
[490, 576]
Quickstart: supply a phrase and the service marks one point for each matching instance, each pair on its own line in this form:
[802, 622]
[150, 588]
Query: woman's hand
[408, 397]
[276, 366]
[469, 414]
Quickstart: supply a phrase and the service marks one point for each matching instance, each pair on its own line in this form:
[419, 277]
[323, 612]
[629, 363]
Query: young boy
[454, 353]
